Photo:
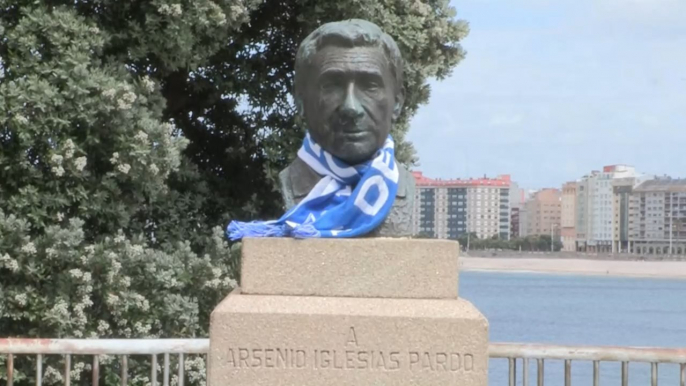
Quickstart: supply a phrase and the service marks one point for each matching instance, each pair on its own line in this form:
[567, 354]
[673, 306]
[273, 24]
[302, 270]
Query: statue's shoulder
[296, 181]
[406, 183]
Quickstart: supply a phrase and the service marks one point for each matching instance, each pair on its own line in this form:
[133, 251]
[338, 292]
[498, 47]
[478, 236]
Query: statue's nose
[351, 106]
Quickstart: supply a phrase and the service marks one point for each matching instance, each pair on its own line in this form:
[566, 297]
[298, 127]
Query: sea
[580, 310]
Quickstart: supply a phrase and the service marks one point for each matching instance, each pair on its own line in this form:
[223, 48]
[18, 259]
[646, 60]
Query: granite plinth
[314, 341]
[369, 267]
[369, 311]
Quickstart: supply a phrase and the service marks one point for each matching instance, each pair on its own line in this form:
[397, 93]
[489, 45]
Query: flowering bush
[60, 285]
[100, 233]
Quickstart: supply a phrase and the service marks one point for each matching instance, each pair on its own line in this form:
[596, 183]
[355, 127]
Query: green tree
[131, 132]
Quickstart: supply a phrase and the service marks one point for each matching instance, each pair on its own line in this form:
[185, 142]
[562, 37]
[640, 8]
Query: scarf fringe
[238, 230]
[305, 231]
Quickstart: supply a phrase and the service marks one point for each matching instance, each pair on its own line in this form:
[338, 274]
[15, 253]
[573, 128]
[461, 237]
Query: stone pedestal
[348, 312]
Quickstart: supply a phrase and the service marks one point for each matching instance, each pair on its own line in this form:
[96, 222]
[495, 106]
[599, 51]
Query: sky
[552, 89]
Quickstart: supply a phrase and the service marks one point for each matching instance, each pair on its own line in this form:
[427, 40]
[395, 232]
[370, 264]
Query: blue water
[580, 310]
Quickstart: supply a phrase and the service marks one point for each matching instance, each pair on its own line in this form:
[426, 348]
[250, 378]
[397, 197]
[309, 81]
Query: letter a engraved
[351, 337]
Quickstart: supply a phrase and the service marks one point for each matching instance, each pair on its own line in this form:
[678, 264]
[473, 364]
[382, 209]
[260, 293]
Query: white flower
[56, 159]
[137, 249]
[125, 102]
[51, 252]
[169, 127]
[21, 119]
[118, 239]
[90, 249]
[124, 168]
[148, 84]
[68, 148]
[216, 14]
[29, 248]
[154, 169]
[80, 163]
[94, 30]
[214, 283]
[21, 299]
[115, 158]
[141, 136]
[87, 278]
[86, 301]
[103, 327]
[237, 11]
[9, 262]
[60, 309]
[58, 170]
[176, 10]
[52, 376]
[76, 273]
[141, 329]
[60, 216]
[217, 272]
[110, 93]
[112, 299]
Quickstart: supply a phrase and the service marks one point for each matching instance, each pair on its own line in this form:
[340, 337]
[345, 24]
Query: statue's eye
[373, 85]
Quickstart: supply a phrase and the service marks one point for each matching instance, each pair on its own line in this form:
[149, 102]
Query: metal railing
[154, 348]
[596, 355]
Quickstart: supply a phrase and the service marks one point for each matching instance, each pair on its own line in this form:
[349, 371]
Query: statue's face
[349, 101]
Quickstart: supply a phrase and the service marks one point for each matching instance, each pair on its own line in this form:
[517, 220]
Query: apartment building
[568, 216]
[449, 208]
[514, 222]
[598, 214]
[657, 217]
[543, 213]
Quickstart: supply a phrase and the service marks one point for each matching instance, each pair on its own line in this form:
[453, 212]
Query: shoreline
[584, 267]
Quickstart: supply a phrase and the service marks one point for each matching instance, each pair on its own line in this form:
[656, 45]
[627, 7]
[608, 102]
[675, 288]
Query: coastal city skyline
[613, 209]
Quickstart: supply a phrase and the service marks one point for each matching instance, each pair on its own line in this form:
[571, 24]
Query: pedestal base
[330, 341]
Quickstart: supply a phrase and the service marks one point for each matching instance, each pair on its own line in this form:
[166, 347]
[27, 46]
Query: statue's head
[349, 87]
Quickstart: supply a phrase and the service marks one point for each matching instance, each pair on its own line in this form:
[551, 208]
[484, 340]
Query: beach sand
[648, 269]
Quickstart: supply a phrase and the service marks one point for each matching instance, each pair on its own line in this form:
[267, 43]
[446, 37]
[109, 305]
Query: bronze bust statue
[349, 91]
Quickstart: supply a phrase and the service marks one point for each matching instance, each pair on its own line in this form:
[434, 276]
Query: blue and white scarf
[348, 201]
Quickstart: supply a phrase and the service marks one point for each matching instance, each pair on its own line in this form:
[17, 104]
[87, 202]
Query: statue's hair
[347, 33]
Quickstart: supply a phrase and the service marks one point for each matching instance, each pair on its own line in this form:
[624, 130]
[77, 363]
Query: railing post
[10, 370]
[541, 372]
[596, 373]
[653, 374]
[625, 373]
[67, 370]
[153, 371]
[568, 372]
[181, 369]
[124, 370]
[39, 370]
[96, 370]
[513, 371]
[683, 375]
[525, 372]
[165, 380]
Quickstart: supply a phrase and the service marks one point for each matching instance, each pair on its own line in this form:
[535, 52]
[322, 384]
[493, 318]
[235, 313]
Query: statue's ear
[399, 101]
[299, 108]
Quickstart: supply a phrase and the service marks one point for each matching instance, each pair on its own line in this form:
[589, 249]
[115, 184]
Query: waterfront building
[599, 210]
[657, 217]
[542, 213]
[449, 208]
[568, 216]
